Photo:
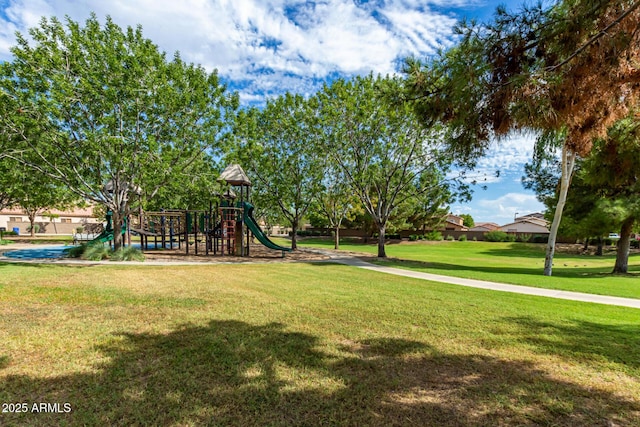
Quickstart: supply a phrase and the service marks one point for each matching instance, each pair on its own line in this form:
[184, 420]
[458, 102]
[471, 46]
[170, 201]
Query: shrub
[96, 252]
[449, 238]
[413, 237]
[635, 244]
[524, 237]
[510, 238]
[127, 254]
[433, 235]
[388, 236]
[311, 233]
[75, 251]
[462, 238]
[36, 228]
[495, 236]
[540, 238]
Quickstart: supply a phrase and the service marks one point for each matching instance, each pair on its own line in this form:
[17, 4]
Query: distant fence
[50, 227]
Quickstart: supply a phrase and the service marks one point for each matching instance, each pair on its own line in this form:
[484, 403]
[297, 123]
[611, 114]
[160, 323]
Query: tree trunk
[294, 235]
[381, 236]
[32, 221]
[117, 230]
[622, 255]
[336, 238]
[600, 247]
[568, 161]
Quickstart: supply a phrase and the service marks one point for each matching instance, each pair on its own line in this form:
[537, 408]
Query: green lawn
[515, 263]
[305, 344]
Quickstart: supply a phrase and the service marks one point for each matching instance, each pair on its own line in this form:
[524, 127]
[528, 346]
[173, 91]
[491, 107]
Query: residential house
[53, 222]
[485, 226]
[454, 223]
[532, 223]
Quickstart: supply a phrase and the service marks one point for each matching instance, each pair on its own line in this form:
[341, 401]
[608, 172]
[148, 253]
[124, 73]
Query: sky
[262, 48]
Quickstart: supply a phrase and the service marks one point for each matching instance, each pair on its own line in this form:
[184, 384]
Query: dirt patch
[578, 249]
[257, 253]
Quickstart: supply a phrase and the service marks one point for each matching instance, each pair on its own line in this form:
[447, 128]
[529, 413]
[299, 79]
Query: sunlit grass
[515, 263]
[303, 344]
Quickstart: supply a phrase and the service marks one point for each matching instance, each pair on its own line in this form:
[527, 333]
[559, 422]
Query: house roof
[536, 218]
[456, 220]
[457, 224]
[533, 220]
[481, 226]
[544, 225]
[538, 215]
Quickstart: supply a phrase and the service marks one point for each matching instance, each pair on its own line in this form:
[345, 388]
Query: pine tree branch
[593, 39]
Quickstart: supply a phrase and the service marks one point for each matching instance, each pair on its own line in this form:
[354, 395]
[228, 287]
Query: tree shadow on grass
[571, 271]
[519, 250]
[582, 340]
[235, 373]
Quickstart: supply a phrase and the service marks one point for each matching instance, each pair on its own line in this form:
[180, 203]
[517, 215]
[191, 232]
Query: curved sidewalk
[527, 290]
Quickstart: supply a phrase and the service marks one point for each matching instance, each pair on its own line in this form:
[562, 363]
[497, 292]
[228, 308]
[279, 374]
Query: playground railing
[84, 237]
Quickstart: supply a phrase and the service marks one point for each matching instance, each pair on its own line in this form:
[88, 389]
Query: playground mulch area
[258, 253]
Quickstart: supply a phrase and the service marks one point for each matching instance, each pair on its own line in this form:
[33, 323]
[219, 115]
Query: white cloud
[505, 207]
[509, 154]
[299, 43]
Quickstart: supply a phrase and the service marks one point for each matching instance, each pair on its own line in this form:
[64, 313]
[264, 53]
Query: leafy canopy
[94, 105]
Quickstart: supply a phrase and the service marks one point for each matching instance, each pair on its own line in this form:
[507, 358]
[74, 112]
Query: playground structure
[226, 228]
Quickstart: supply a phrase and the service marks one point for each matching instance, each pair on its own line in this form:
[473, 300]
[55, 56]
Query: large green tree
[34, 193]
[612, 171]
[104, 112]
[7, 184]
[585, 215]
[570, 68]
[276, 143]
[605, 189]
[385, 155]
[194, 188]
[335, 201]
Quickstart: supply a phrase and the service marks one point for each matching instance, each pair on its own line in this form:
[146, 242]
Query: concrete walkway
[527, 290]
[347, 259]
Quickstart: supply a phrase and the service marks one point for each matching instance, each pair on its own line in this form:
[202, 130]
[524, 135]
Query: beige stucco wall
[59, 225]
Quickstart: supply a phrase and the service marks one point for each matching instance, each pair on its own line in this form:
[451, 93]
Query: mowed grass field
[304, 344]
[514, 263]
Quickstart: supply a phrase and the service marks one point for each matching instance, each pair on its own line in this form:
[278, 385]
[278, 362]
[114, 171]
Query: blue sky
[265, 47]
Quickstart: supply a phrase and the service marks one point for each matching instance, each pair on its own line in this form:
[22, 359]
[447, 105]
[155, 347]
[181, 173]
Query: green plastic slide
[257, 231]
[103, 237]
[107, 234]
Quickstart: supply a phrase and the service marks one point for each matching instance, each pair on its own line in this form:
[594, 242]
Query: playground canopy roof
[229, 194]
[234, 175]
